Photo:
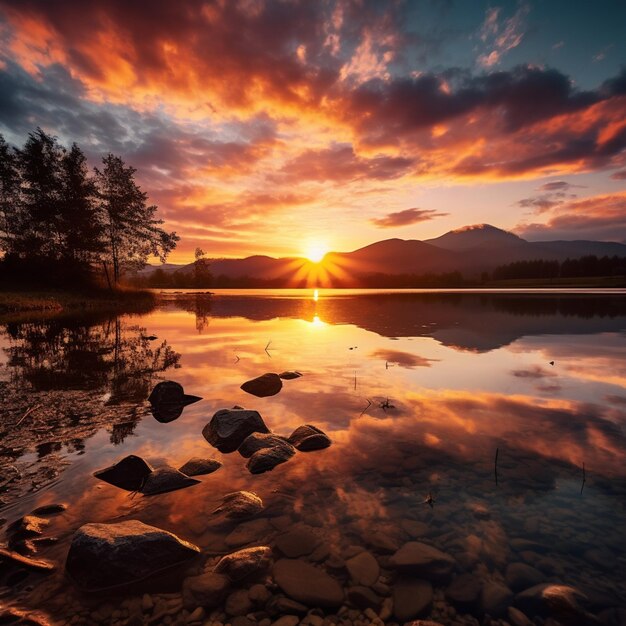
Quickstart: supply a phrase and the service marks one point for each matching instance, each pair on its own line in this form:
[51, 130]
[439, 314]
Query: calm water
[465, 375]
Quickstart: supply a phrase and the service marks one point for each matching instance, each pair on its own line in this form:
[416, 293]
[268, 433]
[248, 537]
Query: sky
[293, 127]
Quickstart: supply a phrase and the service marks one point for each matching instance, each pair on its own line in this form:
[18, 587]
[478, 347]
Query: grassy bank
[58, 301]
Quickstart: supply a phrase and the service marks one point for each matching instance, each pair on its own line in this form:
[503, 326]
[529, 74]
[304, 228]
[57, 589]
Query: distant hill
[469, 250]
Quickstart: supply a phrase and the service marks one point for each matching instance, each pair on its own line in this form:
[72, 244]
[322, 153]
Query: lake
[487, 425]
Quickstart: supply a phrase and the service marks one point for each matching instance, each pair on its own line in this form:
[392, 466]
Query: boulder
[166, 479]
[198, 466]
[560, 602]
[267, 459]
[240, 505]
[290, 375]
[130, 473]
[307, 438]
[207, 590]
[260, 441]
[307, 584]
[229, 427]
[420, 559]
[245, 564]
[170, 392]
[111, 555]
[411, 598]
[363, 569]
[265, 385]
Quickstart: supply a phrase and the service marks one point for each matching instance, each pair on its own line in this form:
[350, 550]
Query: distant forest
[200, 277]
[64, 225]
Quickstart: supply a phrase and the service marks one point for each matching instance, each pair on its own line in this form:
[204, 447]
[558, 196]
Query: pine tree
[9, 196]
[131, 232]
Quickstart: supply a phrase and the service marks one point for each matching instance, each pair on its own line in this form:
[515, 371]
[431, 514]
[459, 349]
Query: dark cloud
[557, 185]
[341, 163]
[403, 359]
[406, 217]
[535, 372]
[620, 175]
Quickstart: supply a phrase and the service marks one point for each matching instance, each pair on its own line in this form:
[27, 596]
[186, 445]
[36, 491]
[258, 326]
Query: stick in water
[582, 486]
[32, 408]
[495, 466]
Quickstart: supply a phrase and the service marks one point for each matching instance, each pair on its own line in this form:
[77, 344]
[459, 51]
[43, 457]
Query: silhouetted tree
[9, 196]
[202, 273]
[132, 233]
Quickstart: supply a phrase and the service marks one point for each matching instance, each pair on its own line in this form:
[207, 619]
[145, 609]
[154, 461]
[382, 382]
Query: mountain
[469, 250]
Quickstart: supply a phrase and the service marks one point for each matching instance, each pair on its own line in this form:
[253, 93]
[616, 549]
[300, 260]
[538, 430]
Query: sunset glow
[257, 127]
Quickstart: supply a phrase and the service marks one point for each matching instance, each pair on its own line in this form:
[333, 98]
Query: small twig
[430, 501]
[582, 486]
[266, 349]
[495, 466]
[355, 380]
[369, 404]
[236, 358]
[32, 408]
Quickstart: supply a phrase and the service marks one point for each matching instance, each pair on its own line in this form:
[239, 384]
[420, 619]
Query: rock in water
[111, 555]
[245, 564]
[240, 505]
[50, 509]
[411, 598]
[166, 479]
[560, 602]
[207, 590]
[38, 565]
[420, 559]
[258, 441]
[130, 473]
[197, 466]
[266, 385]
[363, 569]
[267, 459]
[290, 375]
[169, 392]
[229, 427]
[307, 584]
[308, 438]
[27, 526]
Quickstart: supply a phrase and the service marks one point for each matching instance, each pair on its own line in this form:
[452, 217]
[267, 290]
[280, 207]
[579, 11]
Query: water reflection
[466, 374]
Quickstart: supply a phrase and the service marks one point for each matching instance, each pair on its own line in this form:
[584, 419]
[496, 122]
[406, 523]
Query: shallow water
[417, 392]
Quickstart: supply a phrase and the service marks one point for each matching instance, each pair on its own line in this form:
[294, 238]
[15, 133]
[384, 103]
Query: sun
[315, 252]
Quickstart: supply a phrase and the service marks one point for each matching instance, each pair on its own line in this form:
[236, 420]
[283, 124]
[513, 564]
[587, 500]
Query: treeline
[62, 224]
[584, 267]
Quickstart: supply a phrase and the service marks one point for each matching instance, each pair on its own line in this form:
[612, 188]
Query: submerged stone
[245, 564]
[307, 438]
[229, 427]
[27, 526]
[166, 479]
[240, 505]
[423, 560]
[207, 590]
[130, 473]
[412, 598]
[265, 385]
[50, 509]
[307, 584]
[111, 555]
[290, 375]
[198, 466]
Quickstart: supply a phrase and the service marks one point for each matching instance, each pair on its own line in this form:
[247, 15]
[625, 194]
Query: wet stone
[307, 584]
[363, 569]
[108, 555]
[170, 392]
[240, 505]
[238, 603]
[267, 459]
[50, 509]
[517, 618]
[411, 598]
[421, 559]
[27, 526]
[207, 590]
[166, 479]
[20, 560]
[248, 532]
[550, 600]
[268, 384]
[308, 438]
[130, 473]
[198, 466]
[364, 598]
[245, 564]
[290, 375]
[520, 576]
[495, 599]
[464, 592]
[228, 428]
[259, 441]
[297, 542]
